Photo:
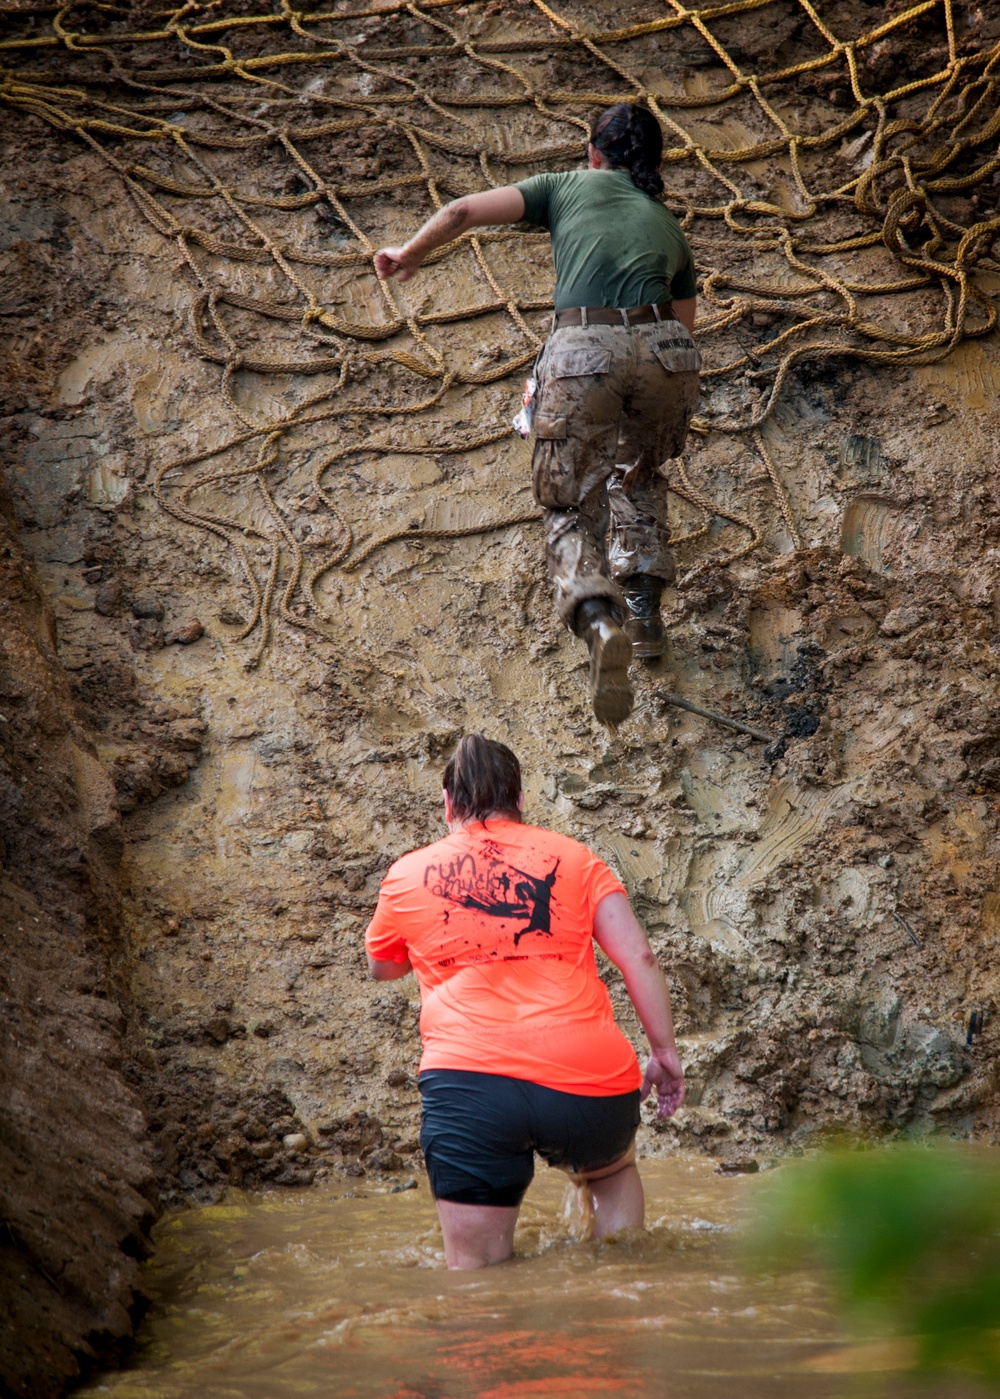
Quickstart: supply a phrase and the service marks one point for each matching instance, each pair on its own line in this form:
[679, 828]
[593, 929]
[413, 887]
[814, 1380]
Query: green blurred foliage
[910, 1239]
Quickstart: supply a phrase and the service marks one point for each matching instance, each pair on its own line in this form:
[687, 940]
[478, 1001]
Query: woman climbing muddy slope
[617, 383]
[520, 1049]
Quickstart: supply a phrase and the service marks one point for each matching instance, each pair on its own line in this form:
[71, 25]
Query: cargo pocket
[574, 364]
[550, 427]
[552, 474]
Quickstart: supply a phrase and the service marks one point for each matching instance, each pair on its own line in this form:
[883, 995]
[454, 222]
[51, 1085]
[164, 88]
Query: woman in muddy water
[617, 383]
[521, 1053]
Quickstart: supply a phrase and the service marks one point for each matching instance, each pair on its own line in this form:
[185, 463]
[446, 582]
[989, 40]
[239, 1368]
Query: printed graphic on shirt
[495, 887]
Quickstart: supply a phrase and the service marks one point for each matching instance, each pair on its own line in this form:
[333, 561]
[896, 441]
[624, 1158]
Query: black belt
[609, 315]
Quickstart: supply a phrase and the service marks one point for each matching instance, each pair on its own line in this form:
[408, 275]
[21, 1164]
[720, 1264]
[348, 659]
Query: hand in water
[396, 262]
[665, 1074]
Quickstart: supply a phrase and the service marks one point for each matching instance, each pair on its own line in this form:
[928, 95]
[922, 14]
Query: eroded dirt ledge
[77, 1186]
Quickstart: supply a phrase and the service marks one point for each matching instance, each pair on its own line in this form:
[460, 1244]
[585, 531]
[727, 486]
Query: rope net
[836, 188]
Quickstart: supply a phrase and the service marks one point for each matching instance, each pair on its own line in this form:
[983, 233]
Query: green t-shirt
[611, 244]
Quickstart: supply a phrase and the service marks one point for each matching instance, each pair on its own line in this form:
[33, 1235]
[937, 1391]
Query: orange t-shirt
[497, 921]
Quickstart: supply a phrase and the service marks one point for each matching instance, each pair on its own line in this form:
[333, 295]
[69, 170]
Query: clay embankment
[77, 1186]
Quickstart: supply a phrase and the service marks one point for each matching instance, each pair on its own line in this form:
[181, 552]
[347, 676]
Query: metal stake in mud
[668, 697]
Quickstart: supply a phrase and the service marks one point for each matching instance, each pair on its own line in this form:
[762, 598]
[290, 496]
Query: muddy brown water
[340, 1292]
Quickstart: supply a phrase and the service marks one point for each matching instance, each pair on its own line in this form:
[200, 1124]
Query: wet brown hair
[483, 778]
[629, 138]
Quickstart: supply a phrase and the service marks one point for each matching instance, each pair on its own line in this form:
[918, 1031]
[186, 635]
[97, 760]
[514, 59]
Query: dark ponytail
[483, 779]
[629, 138]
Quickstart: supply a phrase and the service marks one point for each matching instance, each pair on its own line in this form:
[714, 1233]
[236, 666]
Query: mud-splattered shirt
[497, 921]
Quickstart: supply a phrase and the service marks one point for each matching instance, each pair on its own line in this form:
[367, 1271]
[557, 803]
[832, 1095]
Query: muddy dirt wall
[825, 905]
[77, 1186]
[199, 812]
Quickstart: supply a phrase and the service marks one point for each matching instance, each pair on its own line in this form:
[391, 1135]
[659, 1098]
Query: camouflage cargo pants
[613, 403]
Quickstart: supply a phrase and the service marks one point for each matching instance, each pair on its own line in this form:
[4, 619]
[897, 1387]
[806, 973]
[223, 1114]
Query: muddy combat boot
[643, 624]
[610, 653]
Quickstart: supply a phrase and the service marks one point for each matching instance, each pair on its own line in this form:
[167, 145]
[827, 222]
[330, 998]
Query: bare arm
[685, 311]
[386, 971]
[492, 206]
[618, 934]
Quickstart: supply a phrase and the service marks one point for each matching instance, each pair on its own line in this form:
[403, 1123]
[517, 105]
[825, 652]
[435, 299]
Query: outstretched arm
[471, 211]
[618, 934]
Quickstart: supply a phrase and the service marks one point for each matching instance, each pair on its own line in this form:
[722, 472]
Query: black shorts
[479, 1133]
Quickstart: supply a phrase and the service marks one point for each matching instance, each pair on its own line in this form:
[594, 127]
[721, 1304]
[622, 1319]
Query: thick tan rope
[246, 91]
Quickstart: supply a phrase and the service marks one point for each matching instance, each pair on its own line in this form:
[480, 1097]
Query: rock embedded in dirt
[147, 606]
[108, 599]
[218, 1029]
[295, 1141]
[738, 1166]
[185, 635]
[384, 1159]
[295, 1175]
[146, 634]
